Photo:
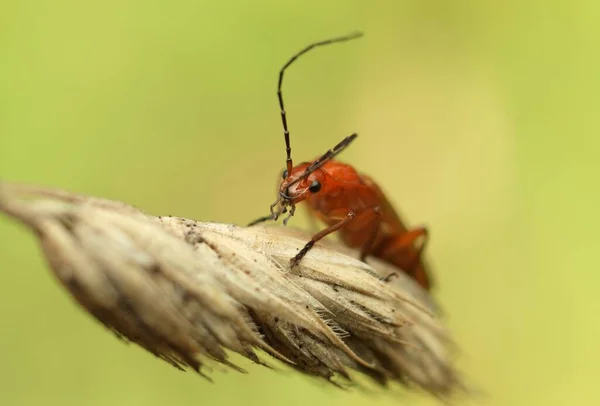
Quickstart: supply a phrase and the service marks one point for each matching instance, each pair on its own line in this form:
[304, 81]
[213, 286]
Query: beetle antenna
[286, 132]
[319, 162]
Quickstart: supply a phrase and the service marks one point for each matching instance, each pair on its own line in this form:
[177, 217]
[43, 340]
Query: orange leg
[406, 243]
[294, 261]
[366, 249]
[409, 238]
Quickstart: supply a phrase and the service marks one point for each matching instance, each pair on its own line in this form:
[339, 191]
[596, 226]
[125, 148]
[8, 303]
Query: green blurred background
[479, 119]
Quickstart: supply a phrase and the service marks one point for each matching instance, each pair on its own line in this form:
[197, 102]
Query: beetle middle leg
[321, 234]
[368, 245]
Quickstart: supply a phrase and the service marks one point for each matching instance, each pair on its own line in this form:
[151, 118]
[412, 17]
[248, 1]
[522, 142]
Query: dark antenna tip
[355, 34]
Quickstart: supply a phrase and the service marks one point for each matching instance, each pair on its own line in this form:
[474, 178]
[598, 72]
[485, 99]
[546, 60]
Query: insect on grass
[347, 201]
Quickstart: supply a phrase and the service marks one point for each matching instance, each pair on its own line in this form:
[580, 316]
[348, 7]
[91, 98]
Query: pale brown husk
[189, 291]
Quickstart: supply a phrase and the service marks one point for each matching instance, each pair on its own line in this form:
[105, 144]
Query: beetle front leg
[294, 261]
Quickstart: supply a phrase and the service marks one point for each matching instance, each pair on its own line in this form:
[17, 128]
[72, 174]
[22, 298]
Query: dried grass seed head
[188, 291]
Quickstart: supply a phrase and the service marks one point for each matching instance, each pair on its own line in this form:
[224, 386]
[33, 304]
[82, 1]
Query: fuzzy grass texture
[190, 291]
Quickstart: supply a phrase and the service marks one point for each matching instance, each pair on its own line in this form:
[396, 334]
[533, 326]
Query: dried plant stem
[188, 291]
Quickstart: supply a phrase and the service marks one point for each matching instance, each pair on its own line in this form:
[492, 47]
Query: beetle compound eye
[285, 174]
[315, 186]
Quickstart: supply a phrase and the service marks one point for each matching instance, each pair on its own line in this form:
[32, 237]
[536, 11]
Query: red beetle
[348, 202]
